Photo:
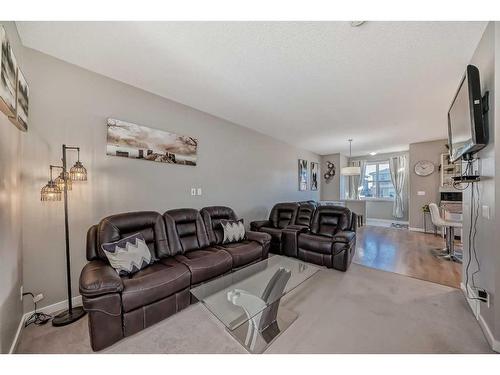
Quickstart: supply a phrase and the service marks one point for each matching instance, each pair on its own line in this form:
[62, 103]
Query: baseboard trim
[476, 309]
[18, 333]
[413, 229]
[50, 309]
[421, 230]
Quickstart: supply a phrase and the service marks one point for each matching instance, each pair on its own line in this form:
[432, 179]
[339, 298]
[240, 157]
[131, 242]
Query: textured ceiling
[311, 84]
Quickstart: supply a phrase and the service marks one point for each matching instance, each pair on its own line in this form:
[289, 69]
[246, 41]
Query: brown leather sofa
[324, 235]
[291, 216]
[331, 240]
[187, 251]
[281, 216]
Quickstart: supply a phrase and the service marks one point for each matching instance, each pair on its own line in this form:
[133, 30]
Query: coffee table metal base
[256, 340]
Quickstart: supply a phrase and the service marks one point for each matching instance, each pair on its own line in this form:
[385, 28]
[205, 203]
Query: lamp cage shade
[78, 172]
[350, 171]
[50, 192]
[60, 181]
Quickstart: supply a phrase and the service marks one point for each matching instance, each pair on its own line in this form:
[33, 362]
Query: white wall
[237, 167]
[487, 237]
[10, 216]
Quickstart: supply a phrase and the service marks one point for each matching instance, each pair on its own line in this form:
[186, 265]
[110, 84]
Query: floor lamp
[52, 192]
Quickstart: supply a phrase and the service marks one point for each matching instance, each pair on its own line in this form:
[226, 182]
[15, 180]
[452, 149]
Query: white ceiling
[311, 84]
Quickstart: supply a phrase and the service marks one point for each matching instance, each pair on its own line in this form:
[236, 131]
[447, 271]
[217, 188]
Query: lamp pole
[72, 314]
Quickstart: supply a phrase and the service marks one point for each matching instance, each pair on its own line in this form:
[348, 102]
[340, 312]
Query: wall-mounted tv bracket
[485, 102]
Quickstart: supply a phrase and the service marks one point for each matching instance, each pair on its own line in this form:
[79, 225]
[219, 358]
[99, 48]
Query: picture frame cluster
[14, 90]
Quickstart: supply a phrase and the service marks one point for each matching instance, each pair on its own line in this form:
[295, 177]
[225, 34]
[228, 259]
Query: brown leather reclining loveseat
[188, 250]
[324, 235]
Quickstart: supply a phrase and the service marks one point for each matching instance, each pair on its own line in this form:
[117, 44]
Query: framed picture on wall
[8, 76]
[302, 175]
[134, 141]
[21, 117]
[314, 175]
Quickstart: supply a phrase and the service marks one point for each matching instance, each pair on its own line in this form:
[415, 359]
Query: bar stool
[448, 226]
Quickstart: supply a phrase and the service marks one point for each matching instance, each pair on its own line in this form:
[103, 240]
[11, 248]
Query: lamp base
[66, 317]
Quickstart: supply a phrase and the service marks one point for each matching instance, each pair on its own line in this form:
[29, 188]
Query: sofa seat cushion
[243, 252]
[315, 243]
[154, 283]
[206, 264]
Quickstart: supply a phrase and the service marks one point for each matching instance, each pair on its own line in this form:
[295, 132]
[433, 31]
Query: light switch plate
[486, 211]
[420, 192]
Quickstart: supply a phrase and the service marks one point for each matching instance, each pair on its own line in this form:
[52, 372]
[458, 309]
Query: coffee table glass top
[237, 297]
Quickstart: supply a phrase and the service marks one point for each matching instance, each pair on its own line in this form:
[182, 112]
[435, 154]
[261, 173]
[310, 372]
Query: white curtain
[356, 182]
[398, 166]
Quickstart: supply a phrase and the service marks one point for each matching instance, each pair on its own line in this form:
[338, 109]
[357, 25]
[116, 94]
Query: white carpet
[361, 311]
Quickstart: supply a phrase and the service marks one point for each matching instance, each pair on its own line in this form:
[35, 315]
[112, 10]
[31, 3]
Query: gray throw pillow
[128, 255]
[234, 231]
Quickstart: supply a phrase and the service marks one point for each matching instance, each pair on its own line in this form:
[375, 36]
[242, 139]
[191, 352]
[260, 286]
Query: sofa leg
[105, 320]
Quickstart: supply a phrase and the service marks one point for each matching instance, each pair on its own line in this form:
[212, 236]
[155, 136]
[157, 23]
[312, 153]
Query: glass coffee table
[247, 301]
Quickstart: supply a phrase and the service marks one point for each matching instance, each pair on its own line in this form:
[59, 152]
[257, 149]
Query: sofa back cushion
[212, 217]
[305, 213]
[148, 223]
[283, 214]
[328, 220]
[186, 230]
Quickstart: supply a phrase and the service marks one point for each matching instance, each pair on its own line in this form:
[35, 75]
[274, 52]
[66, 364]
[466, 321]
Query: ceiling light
[357, 23]
[373, 153]
[350, 171]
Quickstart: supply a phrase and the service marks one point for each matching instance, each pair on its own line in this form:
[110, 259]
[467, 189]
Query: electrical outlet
[483, 296]
[38, 298]
[199, 191]
[21, 292]
[420, 192]
[193, 191]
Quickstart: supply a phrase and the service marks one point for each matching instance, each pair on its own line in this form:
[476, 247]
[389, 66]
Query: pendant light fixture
[350, 171]
[78, 171]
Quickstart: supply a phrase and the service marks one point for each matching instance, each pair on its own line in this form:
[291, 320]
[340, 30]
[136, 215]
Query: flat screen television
[467, 124]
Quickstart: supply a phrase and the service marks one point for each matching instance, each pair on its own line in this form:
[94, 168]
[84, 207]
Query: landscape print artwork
[140, 142]
[8, 70]
[22, 102]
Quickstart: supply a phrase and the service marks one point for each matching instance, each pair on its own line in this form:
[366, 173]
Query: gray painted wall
[487, 237]
[237, 167]
[10, 216]
[430, 151]
[334, 188]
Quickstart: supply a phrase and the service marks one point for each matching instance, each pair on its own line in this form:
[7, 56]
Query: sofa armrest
[98, 278]
[256, 225]
[354, 222]
[261, 238]
[344, 236]
[297, 228]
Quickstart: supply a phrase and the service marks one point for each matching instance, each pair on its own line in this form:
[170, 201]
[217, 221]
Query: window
[377, 181]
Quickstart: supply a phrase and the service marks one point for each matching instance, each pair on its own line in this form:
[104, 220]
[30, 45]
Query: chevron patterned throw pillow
[234, 231]
[128, 255]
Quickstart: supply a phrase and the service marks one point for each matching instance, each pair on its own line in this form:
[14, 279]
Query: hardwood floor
[407, 253]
